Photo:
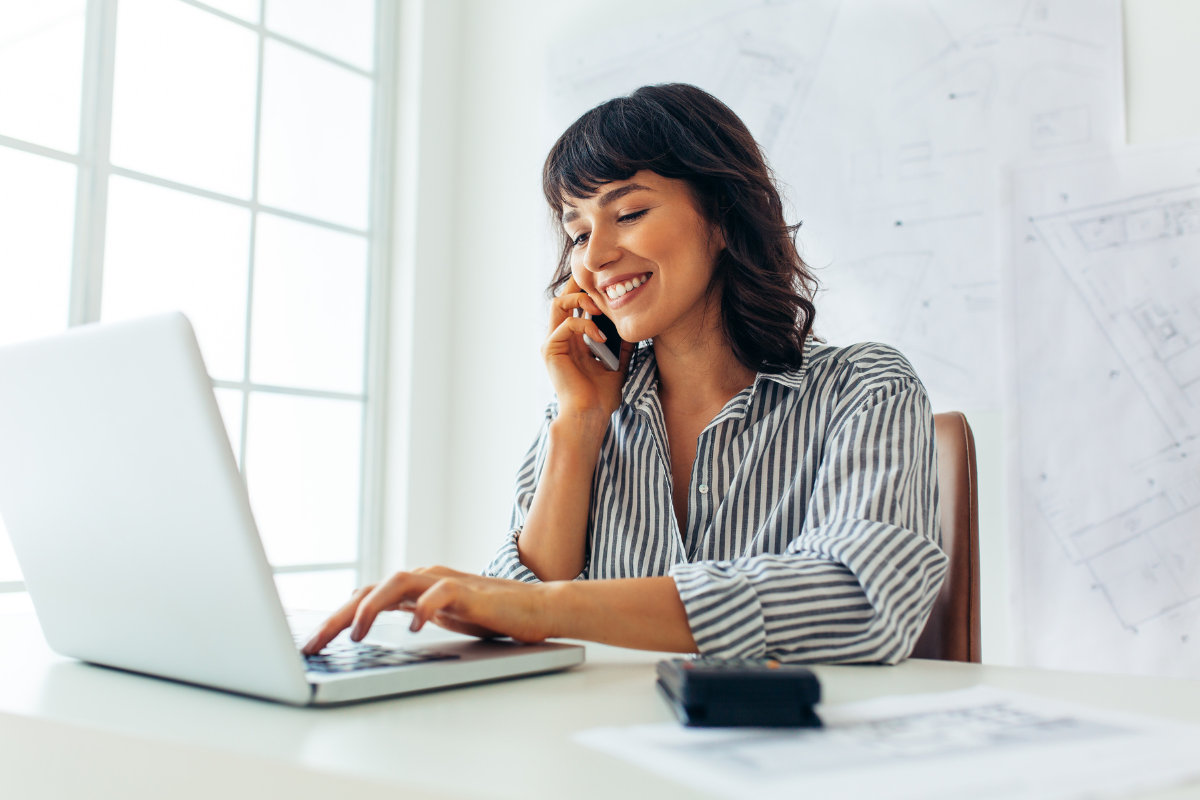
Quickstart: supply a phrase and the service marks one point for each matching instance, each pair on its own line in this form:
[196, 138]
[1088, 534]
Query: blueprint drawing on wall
[890, 123]
[1106, 334]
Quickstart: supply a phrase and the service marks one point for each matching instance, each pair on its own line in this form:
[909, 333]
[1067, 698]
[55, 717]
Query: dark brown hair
[679, 131]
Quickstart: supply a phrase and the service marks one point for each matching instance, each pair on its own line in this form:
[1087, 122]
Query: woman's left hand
[457, 601]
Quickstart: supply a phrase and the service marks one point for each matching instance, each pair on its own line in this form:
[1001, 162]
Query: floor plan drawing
[888, 124]
[1156, 331]
[1106, 295]
[887, 295]
[865, 743]
[1016, 746]
[761, 58]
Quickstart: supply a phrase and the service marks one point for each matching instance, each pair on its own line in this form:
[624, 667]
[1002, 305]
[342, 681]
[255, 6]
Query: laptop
[133, 529]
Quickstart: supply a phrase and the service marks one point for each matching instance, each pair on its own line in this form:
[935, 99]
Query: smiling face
[644, 252]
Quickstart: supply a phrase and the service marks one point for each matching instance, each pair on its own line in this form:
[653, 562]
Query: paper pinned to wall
[969, 743]
[890, 122]
[1106, 346]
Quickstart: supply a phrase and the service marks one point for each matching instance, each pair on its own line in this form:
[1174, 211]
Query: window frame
[91, 205]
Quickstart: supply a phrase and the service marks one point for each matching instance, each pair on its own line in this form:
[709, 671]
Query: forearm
[641, 613]
[553, 539]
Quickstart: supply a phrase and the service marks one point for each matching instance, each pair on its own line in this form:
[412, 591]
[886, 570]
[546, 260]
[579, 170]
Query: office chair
[952, 631]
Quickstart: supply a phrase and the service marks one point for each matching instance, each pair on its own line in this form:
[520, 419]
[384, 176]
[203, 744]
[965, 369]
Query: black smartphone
[607, 352]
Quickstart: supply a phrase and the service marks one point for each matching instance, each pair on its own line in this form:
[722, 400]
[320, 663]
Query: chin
[635, 330]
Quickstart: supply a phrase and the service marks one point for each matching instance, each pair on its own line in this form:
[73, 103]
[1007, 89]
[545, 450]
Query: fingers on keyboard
[352, 656]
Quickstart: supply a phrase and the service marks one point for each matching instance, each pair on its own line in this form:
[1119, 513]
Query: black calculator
[717, 693]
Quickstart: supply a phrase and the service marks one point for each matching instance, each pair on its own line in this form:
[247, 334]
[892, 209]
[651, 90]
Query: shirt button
[703, 488]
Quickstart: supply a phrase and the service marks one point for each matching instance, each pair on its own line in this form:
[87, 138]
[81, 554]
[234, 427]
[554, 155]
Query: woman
[735, 488]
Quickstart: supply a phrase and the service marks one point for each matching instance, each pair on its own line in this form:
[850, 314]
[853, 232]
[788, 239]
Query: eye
[633, 216]
[579, 240]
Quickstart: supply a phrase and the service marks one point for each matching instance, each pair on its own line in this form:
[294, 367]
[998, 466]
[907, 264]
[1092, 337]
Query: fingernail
[603, 338]
[415, 625]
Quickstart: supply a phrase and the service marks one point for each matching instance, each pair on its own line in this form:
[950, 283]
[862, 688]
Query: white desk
[72, 730]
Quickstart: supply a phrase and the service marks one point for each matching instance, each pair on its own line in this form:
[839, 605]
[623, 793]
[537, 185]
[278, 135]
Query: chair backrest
[952, 631]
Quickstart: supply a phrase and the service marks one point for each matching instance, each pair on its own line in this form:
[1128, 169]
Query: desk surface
[67, 728]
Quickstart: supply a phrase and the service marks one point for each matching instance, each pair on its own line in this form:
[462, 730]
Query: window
[228, 159]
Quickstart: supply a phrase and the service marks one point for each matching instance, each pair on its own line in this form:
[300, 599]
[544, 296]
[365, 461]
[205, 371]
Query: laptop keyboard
[352, 656]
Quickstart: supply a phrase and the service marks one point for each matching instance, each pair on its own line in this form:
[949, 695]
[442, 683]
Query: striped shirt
[812, 532]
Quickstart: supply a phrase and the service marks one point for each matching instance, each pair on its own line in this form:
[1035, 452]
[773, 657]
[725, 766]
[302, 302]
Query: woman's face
[643, 252]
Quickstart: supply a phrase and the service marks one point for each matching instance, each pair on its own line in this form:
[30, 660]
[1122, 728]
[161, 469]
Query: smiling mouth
[621, 289]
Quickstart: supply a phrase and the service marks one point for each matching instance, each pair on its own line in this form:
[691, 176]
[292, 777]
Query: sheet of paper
[979, 743]
[1106, 346]
[890, 121]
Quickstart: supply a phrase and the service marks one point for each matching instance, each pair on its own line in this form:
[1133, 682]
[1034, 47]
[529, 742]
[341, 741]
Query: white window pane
[324, 591]
[37, 219]
[41, 71]
[9, 571]
[345, 30]
[316, 134]
[302, 468]
[230, 403]
[183, 96]
[167, 250]
[310, 297]
[242, 9]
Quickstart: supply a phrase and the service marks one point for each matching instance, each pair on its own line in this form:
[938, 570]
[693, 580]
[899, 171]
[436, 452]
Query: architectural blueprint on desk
[1106, 301]
[890, 121]
[980, 742]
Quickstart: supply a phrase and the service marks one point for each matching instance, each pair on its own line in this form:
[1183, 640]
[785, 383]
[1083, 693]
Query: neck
[697, 369]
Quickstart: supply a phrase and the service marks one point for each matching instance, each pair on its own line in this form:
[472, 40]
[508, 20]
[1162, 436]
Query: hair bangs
[598, 148]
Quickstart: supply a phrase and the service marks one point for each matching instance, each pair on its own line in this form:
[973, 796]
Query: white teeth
[620, 289]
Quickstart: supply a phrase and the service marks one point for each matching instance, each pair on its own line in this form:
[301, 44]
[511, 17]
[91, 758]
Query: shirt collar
[643, 380]
[792, 378]
[643, 375]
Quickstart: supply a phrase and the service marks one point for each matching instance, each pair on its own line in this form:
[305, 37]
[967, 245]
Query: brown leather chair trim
[952, 632]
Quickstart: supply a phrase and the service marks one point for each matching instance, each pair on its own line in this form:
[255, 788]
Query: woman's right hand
[585, 387]
[552, 542]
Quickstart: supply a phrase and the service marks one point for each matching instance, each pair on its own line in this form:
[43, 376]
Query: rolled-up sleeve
[858, 581]
[507, 561]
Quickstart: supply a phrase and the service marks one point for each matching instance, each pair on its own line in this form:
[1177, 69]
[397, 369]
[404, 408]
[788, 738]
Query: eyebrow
[608, 198]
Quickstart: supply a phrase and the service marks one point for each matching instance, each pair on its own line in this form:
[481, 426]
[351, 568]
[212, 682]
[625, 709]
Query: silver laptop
[133, 530]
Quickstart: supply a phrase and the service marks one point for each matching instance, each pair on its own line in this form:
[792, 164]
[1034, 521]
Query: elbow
[902, 623]
[887, 646]
[507, 562]
[897, 641]
[894, 631]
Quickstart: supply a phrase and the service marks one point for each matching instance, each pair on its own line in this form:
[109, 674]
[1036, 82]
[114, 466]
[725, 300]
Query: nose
[602, 249]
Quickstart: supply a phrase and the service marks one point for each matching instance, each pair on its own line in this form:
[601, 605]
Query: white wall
[423, 268]
[1162, 60]
[474, 252]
